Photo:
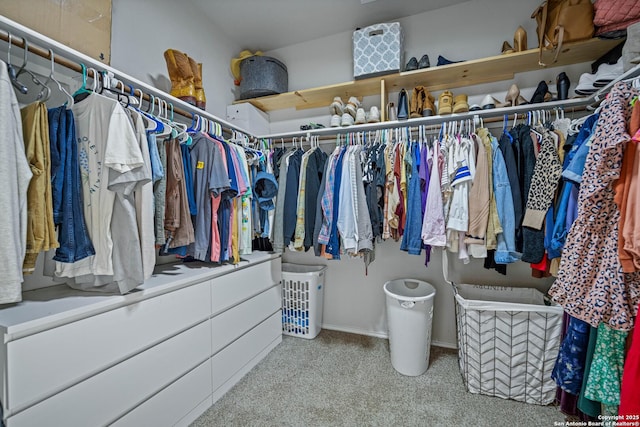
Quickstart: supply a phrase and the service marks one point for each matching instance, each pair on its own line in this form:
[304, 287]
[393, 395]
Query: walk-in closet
[319, 213]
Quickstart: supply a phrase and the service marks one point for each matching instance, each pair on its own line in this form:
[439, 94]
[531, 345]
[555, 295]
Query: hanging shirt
[16, 174]
[110, 160]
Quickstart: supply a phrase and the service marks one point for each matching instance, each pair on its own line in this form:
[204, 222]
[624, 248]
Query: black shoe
[424, 62]
[562, 85]
[444, 61]
[539, 94]
[403, 105]
[412, 64]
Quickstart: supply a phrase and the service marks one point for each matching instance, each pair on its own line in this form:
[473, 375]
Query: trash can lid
[409, 290]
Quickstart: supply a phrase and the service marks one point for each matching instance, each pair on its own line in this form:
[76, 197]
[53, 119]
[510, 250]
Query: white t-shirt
[107, 150]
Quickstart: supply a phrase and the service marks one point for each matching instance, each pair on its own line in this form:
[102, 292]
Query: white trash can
[409, 316]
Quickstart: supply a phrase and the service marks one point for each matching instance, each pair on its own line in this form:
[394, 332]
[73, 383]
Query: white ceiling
[272, 24]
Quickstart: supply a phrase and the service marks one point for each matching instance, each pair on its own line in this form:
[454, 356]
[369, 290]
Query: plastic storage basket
[508, 342]
[302, 299]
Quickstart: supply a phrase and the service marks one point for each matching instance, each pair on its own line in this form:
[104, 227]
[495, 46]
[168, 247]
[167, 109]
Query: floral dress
[591, 285]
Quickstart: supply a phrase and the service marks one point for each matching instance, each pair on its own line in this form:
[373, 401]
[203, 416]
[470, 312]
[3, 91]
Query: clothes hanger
[82, 91]
[34, 79]
[12, 71]
[61, 88]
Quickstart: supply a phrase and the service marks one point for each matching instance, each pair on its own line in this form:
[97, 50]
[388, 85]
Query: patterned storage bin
[508, 342]
[378, 50]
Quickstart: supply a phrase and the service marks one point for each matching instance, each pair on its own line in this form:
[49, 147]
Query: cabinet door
[235, 287]
[237, 354]
[111, 393]
[231, 324]
[48, 362]
[189, 395]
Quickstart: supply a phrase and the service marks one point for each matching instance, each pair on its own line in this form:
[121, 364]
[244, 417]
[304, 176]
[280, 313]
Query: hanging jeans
[68, 213]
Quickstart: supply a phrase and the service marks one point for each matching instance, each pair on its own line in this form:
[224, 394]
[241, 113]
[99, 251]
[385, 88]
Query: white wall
[470, 30]
[475, 29]
[142, 30]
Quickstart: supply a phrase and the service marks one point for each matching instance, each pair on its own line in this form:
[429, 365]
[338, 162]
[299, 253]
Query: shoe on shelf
[374, 115]
[428, 108]
[403, 105]
[607, 73]
[311, 126]
[347, 119]
[412, 64]
[541, 94]
[475, 107]
[417, 102]
[424, 62]
[506, 48]
[460, 104]
[562, 85]
[489, 102]
[585, 85]
[391, 112]
[520, 40]
[445, 103]
[335, 121]
[361, 117]
[444, 61]
[337, 106]
[352, 106]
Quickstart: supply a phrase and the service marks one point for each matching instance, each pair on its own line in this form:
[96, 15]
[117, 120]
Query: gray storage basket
[262, 76]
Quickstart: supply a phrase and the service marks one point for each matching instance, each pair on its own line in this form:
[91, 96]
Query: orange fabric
[624, 185]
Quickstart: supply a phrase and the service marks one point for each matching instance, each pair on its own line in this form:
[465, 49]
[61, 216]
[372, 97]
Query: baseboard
[378, 334]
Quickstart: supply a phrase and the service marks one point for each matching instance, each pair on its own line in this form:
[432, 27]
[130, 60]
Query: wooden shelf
[468, 73]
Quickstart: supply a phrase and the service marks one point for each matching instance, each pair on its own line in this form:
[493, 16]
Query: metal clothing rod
[40, 44]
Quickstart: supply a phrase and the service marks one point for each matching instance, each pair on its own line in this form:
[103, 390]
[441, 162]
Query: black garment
[372, 171]
[318, 225]
[276, 159]
[290, 211]
[490, 263]
[532, 239]
[507, 150]
[315, 168]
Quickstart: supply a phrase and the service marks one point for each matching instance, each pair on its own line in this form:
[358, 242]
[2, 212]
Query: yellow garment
[235, 230]
[299, 235]
[40, 227]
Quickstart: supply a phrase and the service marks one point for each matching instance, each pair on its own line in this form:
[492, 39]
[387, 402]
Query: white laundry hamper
[302, 299]
[508, 341]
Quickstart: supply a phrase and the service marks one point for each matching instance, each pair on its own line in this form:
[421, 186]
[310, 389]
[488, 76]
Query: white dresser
[159, 356]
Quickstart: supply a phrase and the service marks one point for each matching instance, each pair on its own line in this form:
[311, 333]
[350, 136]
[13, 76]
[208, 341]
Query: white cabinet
[158, 356]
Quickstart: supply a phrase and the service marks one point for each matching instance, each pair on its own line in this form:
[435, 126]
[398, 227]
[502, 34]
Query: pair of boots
[421, 104]
[186, 78]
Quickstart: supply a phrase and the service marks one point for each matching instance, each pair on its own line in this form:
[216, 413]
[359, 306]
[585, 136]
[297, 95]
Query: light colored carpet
[341, 379]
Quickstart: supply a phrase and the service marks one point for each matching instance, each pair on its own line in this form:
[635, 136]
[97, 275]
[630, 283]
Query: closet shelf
[468, 73]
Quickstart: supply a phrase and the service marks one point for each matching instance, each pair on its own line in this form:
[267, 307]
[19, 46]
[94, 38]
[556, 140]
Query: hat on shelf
[235, 64]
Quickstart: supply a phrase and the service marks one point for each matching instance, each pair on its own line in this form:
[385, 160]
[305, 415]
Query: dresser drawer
[101, 398]
[170, 405]
[230, 324]
[232, 358]
[235, 287]
[47, 362]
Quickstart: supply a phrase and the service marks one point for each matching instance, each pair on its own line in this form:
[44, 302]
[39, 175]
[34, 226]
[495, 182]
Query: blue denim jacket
[506, 251]
[576, 157]
[412, 237]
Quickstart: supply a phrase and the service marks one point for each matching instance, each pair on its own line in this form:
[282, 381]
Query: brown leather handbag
[561, 21]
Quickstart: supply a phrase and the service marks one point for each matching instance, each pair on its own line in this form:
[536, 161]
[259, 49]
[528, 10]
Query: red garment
[629, 398]
[613, 15]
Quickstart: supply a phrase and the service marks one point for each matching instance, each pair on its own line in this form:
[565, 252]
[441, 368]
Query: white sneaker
[335, 121]
[352, 106]
[374, 115]
[347, 120]
[607, 73]
[337, 106]
[360, 116]
[585, 84]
